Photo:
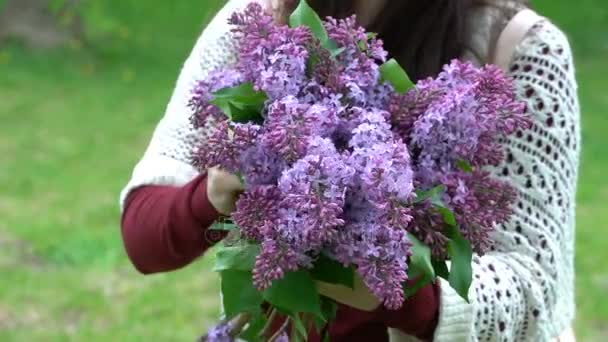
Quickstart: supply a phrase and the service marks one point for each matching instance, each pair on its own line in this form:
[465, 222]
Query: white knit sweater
[522, 290]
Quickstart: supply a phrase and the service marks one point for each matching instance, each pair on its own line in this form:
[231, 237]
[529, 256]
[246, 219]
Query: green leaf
[336, 52]
[241, 178]
[448, 215]
[464, 165]
[300, 328]
[238, 293]
[242, 94]
[298, 338]
[224, 226]
[441, 269]
[329, 310]
[238, 258]
[419, 284]
[420, 260]
[255, 326]
[296, 292]
[433, 194]
[362, 45]
[420, 266]
[461, 255]
[246, 114]
[241, 103]
[333, 48]
[304, 15]
[392, 72]
[333, 272]
[311, 63]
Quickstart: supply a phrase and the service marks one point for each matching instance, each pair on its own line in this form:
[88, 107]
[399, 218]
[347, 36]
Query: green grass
[74, 122]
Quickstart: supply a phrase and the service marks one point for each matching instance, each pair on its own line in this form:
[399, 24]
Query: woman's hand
[280, 9]
[223, 190]
[360, 297]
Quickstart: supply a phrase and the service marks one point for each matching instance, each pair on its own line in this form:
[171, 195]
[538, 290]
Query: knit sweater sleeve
[523, 288]
[167, 158]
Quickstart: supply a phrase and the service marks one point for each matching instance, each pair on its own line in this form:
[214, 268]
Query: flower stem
[238, 323]
[280, 331]
[266, 330]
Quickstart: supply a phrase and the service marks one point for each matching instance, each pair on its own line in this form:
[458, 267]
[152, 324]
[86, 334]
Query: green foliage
[224, 226]
[252, 332]
[420, 262]
[304, 15]
[301, 332]
[236, 258]
[441, 269]
[333, 272]
[393, 73]
[459, 250]
[281, 294]
[241, 103]
[461, 255]
[433, 194]
[420, 267]
[238, 293]
[329, 310]
[465, 166]
[448, 214]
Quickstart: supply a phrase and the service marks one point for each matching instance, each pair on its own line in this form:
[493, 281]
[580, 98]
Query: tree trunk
[33, 22]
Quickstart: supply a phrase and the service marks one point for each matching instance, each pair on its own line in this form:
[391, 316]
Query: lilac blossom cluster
[335, 165]
[453, 123]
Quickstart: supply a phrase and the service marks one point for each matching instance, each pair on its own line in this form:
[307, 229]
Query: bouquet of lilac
[350, 169]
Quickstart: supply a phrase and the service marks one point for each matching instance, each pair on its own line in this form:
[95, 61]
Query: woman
[522, 290]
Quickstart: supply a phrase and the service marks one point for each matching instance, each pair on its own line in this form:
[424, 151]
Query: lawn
[74, 122]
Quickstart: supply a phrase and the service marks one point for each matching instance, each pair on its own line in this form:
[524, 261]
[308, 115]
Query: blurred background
[82, 85]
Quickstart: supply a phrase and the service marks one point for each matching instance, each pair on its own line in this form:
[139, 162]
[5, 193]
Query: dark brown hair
[421, 34]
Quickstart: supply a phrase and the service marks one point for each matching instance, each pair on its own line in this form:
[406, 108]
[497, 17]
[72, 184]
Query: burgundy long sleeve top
[165, 228]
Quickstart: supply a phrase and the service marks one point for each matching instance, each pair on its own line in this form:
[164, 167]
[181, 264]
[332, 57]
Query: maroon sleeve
[418, 316]
[165, 227]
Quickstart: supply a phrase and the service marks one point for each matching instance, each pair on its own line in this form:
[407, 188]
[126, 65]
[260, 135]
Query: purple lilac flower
[314, 190]
[347, 33]
[261, 166]
[288, 128]
[291, 124]
[256, 208]
[275, 259]
[467, 110]
[220, 333]
[380, 254]
[225, 146]
[371, 128]
[479, 202]
[274, 57]
[282, 338]
[309, 215]
[375, 238]
[360, 72]
[406, 108]
[384, 169]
